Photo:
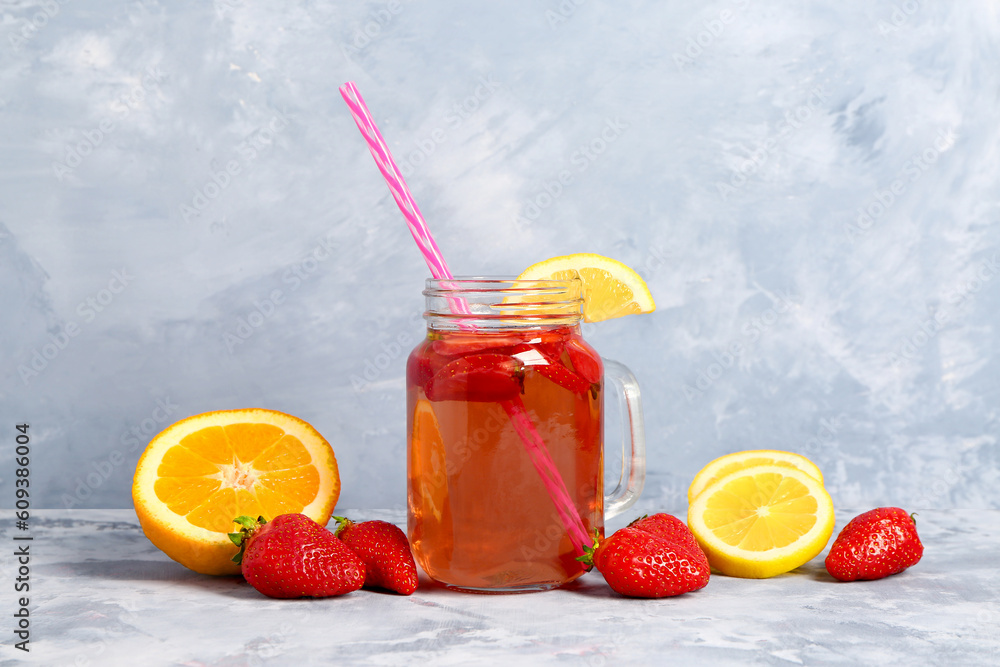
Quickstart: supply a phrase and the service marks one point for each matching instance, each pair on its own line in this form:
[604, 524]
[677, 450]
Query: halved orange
[199, 474]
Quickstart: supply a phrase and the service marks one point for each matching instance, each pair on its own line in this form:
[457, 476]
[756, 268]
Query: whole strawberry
[385, 551]
[671, 529]
[641, 564]
[874, 545]
[292, 556]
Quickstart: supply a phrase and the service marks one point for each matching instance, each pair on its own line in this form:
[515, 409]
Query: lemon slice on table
[610, 289]
[199, 474]
[762, 520]
[724, 465]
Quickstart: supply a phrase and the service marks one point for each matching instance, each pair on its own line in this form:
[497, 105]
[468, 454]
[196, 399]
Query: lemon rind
[776, 454]
[622, 272]
[764, 564]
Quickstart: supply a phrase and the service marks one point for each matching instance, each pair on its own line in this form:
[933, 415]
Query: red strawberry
[461, 344]
[874, 545]
[545, 360]
[420, 367]
[386, 553]
[584, 360]
[671, 529]
[641, 564]
[479, 377]
[292, 556]
[564, 377]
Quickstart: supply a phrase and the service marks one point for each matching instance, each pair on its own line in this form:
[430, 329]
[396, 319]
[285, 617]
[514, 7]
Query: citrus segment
[249, 440]
[299, 483]
[182, 462]
[213, 513]
[183, 498]
[275, 503]
[210, 444]
[427, 464]
[288, 452]
[730, 463]
[430, 508]
[610, 289]
[762, 521]
[197, 475]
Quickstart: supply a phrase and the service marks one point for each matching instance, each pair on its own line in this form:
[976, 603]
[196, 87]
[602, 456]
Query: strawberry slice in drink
[564, 377]
[419, 369]
[478, 377]
[459, 345]
[585, 361]
[545, 359]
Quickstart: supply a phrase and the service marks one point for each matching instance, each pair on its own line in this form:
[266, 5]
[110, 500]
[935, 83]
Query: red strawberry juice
[480, 517]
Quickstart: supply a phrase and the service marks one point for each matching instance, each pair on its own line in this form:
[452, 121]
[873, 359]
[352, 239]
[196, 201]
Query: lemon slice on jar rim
[610, 288]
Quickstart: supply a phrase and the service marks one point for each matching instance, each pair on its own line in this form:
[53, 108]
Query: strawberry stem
[589, 551]
[343, 523]
[248, 526]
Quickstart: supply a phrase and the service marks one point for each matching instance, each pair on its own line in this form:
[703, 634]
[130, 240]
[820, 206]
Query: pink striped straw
[533, 442]
[397, 186]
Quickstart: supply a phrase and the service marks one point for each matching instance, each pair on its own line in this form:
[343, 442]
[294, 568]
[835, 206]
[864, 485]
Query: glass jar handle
[633, 452]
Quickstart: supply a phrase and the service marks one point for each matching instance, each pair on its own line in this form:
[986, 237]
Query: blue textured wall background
[811, 193]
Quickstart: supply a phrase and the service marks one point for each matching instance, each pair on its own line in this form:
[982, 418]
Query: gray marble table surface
[102, 594]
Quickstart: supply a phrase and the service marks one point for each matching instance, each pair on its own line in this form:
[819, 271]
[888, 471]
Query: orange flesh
[220, 471]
